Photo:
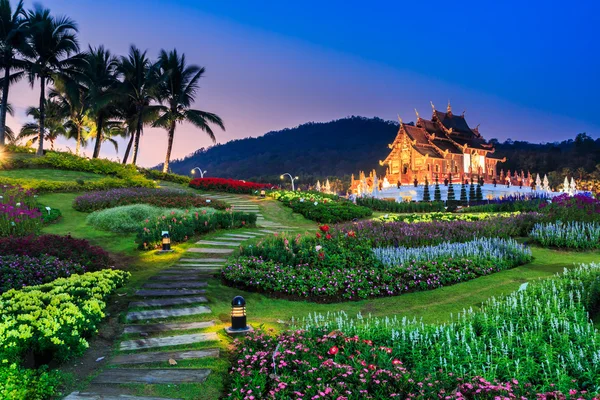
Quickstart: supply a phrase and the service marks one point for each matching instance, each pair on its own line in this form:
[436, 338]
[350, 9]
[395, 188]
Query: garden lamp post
[238, 317]
[201, 172]
[292, 178]
[166, 241]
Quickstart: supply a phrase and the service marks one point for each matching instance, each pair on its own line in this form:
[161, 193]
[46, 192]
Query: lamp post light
[292, 178]
[238, 317]
[201, 172]
[166, 242]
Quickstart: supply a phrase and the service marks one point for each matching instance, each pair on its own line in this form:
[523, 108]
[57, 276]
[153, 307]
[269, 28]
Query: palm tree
[177, 93]
[53, 40]
[99, 76]
[140, 82]
[110, 130]
[54, 123]
[70, 97]
[13, 35]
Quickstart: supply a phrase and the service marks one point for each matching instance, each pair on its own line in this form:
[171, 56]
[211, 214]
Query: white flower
[318, 247]
[18, 204]
[316, 202]
[302, 200]
[208, 200]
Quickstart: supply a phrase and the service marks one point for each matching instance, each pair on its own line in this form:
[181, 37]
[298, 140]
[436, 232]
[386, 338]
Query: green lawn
[50, 175]
[430, 306]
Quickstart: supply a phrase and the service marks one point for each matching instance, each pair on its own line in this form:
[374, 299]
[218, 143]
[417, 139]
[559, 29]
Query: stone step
[167, 313]
[151, 376]
[100, 396]
[175, 285]
[192, 272]
[242, 235]
[151, 343]
[168, 302]
[202, 260]
[172, 292]
[175, 326]
[152, 357]
[175, 278]
[230, 239]
[216, 243]
[207, 250]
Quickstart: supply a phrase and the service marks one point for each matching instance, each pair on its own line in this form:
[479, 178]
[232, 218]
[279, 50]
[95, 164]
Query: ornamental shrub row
[168, 198]
[227, 185]
[52, 321]
[442, 216]
[28, 384]
[404, 207]
[46, 186]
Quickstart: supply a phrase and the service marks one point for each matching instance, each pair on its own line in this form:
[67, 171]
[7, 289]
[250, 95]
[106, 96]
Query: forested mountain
[342, 147]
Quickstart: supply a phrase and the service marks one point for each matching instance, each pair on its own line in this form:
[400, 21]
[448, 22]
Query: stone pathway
[180, 291]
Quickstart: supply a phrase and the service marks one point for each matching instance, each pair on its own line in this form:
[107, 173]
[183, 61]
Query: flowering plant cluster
[321, 207]
[183, 225]
[52, 321]
[65, 248]
[404, 207]
[443, 216]
[168, 198]
[494, 249]
[580, 207]
[19, 271]
[571, 235]
[227, 185]
[507, 350]
[19, 215]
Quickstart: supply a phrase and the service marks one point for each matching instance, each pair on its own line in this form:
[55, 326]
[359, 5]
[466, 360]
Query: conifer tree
[426, 195]
[471, 192]
[437, 194]
[479, 194]
[451, 195]
[463, 193]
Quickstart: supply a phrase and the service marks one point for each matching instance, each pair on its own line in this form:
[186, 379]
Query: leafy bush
[45, 186]
[65, 248]
[52, 321]
[28, 384]
[49, 216]
[227, 185]
[571, 235]
[537, 343]
[125, 219]
[162, 176]
[581, 207]
[18, 213]
[404, 207]
[19, 271]
[183, 226]
[441, 216]
[168, 198]
[321, 207]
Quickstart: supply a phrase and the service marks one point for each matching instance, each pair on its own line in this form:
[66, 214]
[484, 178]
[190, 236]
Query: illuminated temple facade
[442, 147]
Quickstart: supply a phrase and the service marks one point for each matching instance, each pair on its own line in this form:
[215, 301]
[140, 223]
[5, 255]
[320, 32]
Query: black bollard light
[166, 241]
[238, 314]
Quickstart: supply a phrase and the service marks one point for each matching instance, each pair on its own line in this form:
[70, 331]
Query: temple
[444, 147]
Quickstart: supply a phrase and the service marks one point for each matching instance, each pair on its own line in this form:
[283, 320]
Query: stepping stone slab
[167, 341]
[176, 326]
[168, 302]
[152, 357]
[241, 235]
[231, 239]
[172, 292]
[152, 376]
[99, 396]
[172, 277]
[202, 260]
[216, 243]
[209, 250]
[175, 285]
[191, 271]
[167, 313]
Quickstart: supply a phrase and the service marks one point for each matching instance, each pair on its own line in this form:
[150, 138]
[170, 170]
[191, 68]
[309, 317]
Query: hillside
[345, 146]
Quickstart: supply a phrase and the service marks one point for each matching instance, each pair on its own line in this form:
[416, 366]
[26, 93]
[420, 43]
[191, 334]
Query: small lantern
[262, 193]
[166, 241]
[238, 314]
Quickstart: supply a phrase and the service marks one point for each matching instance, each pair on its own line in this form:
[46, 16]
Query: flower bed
[443, 216]
[189, 223]
[168, 198]
[320, 207]
[496, 250]
[127, 219]
[430, 233]
[537, 343]
[570, 235]
[19, 271]
[65, 248]
[19, 215]
[52, 321]
[404, 207]
[581, 207]
[227, 185]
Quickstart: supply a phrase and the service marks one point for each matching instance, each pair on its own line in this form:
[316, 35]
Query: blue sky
[524, 70]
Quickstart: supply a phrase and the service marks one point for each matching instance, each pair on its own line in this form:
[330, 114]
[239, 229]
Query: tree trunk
[40, 151]
[138, 134]
[169, 147]
[128, 149]
[99, 123]
[4, 105]
[78, 147]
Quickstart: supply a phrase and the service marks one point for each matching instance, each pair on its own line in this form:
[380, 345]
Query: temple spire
[449, 108]
[417, 113]
[432, 106]
[400, 119]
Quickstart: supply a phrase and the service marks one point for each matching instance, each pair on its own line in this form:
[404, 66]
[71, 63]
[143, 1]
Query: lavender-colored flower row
[574, 235]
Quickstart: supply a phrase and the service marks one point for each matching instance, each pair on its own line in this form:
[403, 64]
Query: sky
[522, 70]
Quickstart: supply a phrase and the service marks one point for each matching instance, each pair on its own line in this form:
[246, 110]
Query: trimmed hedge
[404, 207]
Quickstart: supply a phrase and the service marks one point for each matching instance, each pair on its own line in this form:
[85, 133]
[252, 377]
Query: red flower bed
[227, 185]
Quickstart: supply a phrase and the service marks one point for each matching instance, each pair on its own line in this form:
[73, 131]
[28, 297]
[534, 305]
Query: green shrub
[49, 216]
[28, 384]
[404, 207]
[162, 176]
[126, 219]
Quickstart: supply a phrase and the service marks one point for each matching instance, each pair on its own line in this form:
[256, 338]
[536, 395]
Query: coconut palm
[54, 124]
[176, 95]
[140, 81]
[53, 40]
[13, 35]
[70, 97]
[110, 130]
[99, 76]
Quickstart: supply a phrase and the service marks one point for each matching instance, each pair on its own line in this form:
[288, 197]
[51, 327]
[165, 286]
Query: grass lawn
[50, 175]
[430, 306]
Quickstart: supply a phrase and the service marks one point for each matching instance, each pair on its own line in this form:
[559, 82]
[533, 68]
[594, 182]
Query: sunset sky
[523, 70]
